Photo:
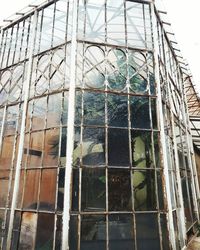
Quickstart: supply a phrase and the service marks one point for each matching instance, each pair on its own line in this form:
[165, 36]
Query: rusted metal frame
[162, 132]
[114, 46]
[29, 13]
[70, 130]
[22, 131]
[192, 163]
[3, 45]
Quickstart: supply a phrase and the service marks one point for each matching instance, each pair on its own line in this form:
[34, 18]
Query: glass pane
[147, 234]
[54, 110]
[21, 187]
[119, 190]
[93, 193]
[39, 113]
[94, 108]
[31, 187]
[144, 190]
[61, 182]
[117, 69]
[35, 150]
[51, 148]
[117, 111]
[121, 232]
[115, 22]
[93, 232]
[118, 147]
[142, 154]
[75, 190]
[45, 232]
[11, 120]
[73, 233]
[94, 67]
[93, 149]
[165, 233]
[28, 231]
[7, 152]
[4, 182]
[64, 115]
[48, 189]
[58, 233]
[140, 117]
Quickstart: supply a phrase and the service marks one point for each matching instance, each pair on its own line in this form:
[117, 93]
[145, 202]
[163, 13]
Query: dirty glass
[16, 231]
[75, 190]
[61, 181]
[117, 110]
[93, 148]
[144, 190]
[31, 187]
[140, 114]
[11, 120]
[94, 108]
[39, 113]
[54, 110]
[48, 189]
[147, 235]
[28, 231]
[73, 232]
[119, 190]
[93, 232]
[58, 238]
[93, 192]
[6, 155]
[142, 155]
[120, 231]
[45, 231]
[118, 147]
[4, 182]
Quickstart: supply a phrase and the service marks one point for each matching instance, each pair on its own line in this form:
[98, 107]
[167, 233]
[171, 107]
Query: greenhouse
[96, 143]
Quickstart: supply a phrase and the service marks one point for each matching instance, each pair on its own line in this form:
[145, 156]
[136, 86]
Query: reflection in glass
[93, 151]
[93, 193]
[117, 111]
[45, 231]
[61, 181]
[4, 181]
[147, 234]
[140, 117]
[31, 187]
[35, 150]
[28, 231]
[51, 147]
[118, 147]
[117, 69]
[121, 232]
[58, 237]
[119, 190]
[144, 190]
[75, 190]
[73, 232]
[48, 189]
[7, 152]
[94, 110]
[93, 232]
[39, 113]
[54, 110]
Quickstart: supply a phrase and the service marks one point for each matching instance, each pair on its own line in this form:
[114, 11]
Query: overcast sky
[184, 16]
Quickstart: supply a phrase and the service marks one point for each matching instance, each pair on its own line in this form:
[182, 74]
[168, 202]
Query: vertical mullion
[22, 134]
[162, 132]
[70, 130]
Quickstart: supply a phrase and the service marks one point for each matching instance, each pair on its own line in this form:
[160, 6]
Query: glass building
[96, 149]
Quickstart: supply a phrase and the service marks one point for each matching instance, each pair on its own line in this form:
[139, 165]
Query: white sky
[184, 16]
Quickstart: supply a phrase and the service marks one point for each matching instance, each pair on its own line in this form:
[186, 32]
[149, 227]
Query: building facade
[96, 149]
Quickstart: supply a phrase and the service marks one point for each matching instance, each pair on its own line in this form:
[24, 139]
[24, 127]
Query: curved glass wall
[120, 182]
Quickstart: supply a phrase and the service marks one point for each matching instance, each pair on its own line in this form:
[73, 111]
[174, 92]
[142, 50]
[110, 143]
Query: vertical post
[2, 127]
[70, 129]
[162, 132]
[22, 132]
